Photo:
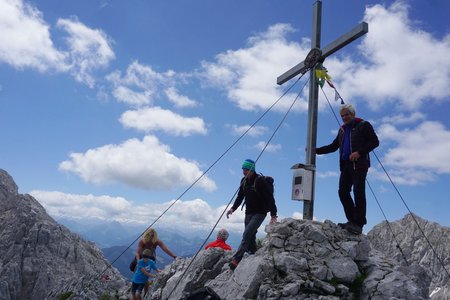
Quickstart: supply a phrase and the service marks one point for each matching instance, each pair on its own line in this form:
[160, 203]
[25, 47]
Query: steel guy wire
[204, 173]
[223, 212]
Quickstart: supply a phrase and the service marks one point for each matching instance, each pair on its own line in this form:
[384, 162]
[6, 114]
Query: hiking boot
[353, 228]
[233, 264]
[343, 225]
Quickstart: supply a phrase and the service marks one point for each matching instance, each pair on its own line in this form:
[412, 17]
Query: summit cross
[316, 55]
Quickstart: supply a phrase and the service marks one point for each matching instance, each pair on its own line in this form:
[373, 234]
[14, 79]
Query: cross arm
[334, 46]
[345, 39]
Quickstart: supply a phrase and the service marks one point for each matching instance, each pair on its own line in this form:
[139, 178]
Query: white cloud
[137, 75]
[179, 100]
[145, 164]
[195, 214]
[128, 96]
[104, 207]
[404, 118]
[418, 152]
[140, 84]
[269, 148]
[89, 49]
[397, 71]
[155, 118]
[249, 75]
[297, 215]
[198, 214]
[25, 39]
[404, 176]
[25, 42]
[432, 136]
[254, 132]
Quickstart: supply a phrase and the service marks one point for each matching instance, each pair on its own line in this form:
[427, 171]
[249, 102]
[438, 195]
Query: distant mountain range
[104, 234]
[119, 242]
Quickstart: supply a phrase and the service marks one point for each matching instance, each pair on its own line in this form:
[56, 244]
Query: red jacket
[218, 243]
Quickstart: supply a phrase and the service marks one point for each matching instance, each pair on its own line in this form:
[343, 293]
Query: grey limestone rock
[298, 260]
[40, 259]
[407, 245]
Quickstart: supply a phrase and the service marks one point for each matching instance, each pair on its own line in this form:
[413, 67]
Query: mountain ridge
[41, 259]
[405, 235]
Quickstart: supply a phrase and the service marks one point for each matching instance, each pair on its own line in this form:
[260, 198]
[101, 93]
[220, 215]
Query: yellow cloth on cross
[322, 74]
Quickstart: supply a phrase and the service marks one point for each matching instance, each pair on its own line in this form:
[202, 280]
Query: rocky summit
[413, 240]
[40, 259]
[298, 260]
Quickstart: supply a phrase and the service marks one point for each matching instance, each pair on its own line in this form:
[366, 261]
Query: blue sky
[111, 109]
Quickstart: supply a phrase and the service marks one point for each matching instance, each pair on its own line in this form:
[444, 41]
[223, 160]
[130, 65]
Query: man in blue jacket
[355, 139]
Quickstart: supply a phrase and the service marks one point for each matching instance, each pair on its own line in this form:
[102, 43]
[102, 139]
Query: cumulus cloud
[241, 129]
[141, 76]
[25, 40]
[404, 118]
[103, 207]
[403, 176]
[89, 49]
[155, 118]
[396, 71]
[269, 148]
[411, 142]
[140, 84]
[179, 100]
[145, 164]
[128, 96]
[195, 214]
[248, 75]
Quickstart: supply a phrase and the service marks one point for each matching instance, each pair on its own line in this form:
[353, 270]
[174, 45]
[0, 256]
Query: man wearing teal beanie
[258, 201]
[248, 164]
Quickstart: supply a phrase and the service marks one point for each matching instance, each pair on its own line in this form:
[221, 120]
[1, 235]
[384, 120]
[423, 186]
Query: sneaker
[353, 228]
[233, 264]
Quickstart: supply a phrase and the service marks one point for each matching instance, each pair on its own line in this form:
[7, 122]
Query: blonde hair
[147, 237]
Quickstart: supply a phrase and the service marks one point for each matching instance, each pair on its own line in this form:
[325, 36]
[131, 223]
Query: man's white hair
[349, 108]
[223, 234]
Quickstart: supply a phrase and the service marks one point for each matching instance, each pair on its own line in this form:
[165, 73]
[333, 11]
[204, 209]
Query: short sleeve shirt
[138, 276]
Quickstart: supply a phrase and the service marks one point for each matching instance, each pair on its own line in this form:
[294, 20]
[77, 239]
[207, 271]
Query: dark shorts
[137, 287]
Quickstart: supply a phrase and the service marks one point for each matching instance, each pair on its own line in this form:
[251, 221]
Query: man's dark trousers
[248, 243]
[354, 211]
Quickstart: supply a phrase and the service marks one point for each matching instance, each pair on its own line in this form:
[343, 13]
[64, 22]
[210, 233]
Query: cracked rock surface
[41, 259]
[299, 259]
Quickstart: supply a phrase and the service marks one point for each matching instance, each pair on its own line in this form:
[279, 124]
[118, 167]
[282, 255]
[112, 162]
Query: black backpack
[269, 182]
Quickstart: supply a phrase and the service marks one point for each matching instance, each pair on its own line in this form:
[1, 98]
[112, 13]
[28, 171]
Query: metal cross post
[316, 55]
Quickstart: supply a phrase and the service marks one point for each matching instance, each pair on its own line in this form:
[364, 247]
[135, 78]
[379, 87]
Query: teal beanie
[248, 164]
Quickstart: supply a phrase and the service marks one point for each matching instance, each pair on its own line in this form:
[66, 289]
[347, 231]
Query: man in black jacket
[258, 201]
[355, 139]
